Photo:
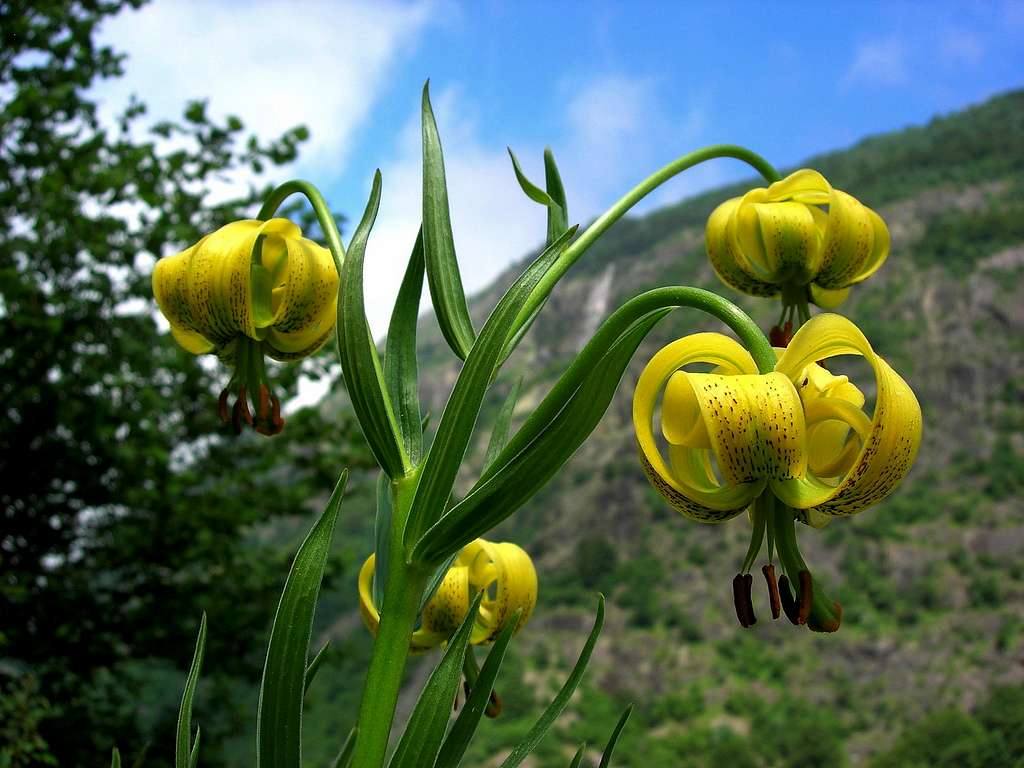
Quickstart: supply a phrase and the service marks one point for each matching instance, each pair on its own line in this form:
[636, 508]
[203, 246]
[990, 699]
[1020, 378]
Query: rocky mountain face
[932, 579]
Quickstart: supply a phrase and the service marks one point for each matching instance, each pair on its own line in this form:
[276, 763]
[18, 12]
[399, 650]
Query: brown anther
[789, 606]
[236, 417]
[493, 708]
[748, 586]
[773, 590]
[741, 600]
[780, 337]
[222, 407]
[806, 596]
[243, 400]
[275, 414]
[263, 407]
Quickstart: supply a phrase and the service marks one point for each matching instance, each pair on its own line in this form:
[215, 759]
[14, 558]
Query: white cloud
[960, 46]
[273, 63]
[879, 61]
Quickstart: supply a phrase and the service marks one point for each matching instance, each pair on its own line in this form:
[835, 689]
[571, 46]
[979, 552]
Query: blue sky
[616, 89]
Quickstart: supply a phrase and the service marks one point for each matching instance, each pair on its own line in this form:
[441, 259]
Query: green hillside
[932, 580]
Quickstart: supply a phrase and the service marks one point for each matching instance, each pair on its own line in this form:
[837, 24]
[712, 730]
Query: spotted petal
[888, 442]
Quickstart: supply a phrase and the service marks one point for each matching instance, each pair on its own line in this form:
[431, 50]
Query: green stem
[601, 224]
[609, 332]
[323, 213]
[405, 585]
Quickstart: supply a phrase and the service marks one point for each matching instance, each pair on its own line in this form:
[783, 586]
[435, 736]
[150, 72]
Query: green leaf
[421, 740]
[344, 758]
[461, 733]
[532, 191]
[435, 580]
[183, 741]
[558, 216]
[606, 756]
[193, 759]
[499, 432]
[360, 363]
[522, 470]
[115, 759]
[438, 243]
[279, 716]
[455, 429]
[314, 666]
[381, 538]
[577, 759]
[540, 728]
[400, 370]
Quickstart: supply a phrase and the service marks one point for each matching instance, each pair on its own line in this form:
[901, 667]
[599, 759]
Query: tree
[123, 504]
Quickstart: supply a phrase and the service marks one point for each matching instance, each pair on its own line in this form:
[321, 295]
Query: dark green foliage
[596, 559]
[123, 506]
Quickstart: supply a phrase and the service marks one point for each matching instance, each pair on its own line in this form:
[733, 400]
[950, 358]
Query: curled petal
[421, 641]
[888, 442]
[505, 573]
[727, 259]
[856, 242]
[688, 484]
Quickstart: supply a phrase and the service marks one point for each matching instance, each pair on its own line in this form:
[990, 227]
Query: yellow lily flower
[503, 571]
[793, 444]
[250, 289]
[799, 237]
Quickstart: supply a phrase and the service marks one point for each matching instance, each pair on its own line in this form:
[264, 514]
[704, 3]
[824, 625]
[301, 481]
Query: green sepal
[465, 725]
[400, 367]
[360, 364]
[577, 759]
[547, 718]
[443, 276]
[606, 756]
[421, 740]
[382, 538]
[183, 740]
[520, 471]
[314, 666]
[455, 428]
[279, 714]
[348, 749]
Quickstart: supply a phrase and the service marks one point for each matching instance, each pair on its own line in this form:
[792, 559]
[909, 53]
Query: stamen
[275, 414]
[806, 595]
[222, 407]
[244, 401]
[263, 409]
[493, 708]
[780, 337]
[741, 599]
[773, 590]
[789, 605]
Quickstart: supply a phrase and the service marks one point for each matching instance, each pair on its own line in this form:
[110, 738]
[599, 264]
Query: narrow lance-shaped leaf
[455, 428]
[438, 243]
[421, 740]
[461, 733]
[530, 189]
[502, 423]
[435, 580]
[577, 759]
[400, 369]
[344, 758]
[558, 216]
[183, 740]
[540, 728]
[514, 478]
[314, 665]
[279, 715]
[360, 363]
[606, 757]
[193, 759]
[115, 758]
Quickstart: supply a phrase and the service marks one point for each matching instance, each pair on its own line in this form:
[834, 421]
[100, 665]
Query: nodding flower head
[250, 289]
[502, 571]
[791, 445]
[799, 237]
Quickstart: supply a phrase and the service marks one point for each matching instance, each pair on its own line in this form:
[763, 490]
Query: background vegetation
[126, 511]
